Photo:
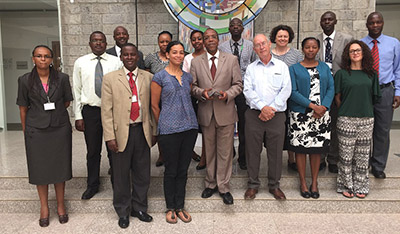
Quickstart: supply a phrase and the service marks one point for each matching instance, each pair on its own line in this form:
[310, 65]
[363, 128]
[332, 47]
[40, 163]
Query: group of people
[332, 100]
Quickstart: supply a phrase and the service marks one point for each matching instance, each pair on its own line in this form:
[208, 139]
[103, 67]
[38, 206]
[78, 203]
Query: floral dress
[307, 134]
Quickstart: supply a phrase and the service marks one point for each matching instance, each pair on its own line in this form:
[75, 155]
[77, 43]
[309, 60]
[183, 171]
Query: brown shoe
[250, 194]
[278, 194]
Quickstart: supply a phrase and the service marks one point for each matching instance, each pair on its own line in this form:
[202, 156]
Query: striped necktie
[375, 56]
[135, 105]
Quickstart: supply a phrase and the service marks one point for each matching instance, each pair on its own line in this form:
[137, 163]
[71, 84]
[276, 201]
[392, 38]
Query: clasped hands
[222, 95]
[319, 111]
[267, 113]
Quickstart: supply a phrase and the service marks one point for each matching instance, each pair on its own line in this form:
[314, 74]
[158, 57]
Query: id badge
[134, 98]
[49, 106]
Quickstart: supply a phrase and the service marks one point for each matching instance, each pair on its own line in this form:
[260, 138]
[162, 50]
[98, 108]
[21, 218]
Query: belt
[135, 124]
[385, 85]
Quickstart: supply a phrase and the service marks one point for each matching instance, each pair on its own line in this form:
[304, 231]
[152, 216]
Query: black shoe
[305, 194]
[89, 193]
[292, 165]
[315, 194]
[227, 198]
[378, 174]
[198, 167]
[208, 192]
[142, 216]
[123, 222]
[243, 166]
[333, 168]
[322, 166]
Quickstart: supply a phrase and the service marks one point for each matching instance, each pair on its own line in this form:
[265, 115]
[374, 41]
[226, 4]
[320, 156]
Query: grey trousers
[383, 113]
[272, 134]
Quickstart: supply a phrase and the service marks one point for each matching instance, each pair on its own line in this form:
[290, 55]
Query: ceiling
[27, 5]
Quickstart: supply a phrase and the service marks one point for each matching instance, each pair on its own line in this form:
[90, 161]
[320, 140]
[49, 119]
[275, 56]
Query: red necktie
[375, 56]
[135, 105]
[213, 69]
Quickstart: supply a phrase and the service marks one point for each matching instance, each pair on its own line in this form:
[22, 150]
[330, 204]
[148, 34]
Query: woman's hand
[319, 111]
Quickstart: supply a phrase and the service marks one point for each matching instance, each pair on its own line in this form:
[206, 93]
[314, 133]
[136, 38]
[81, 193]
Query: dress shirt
[137, 84]
[209, 56]
[117, 50]
[332, 37]
[267, 84]
[389, 59]
[83, 79]
[246, 52]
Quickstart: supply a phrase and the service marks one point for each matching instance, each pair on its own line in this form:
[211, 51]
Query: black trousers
[131, 171]
[177, 150]
[94, 140]
[241, 108]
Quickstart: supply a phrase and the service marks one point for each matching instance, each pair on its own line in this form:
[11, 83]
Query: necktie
[98, 77]
[135, 105]
[236, 51]
[328, 50]
[213, 69]
[375, 56]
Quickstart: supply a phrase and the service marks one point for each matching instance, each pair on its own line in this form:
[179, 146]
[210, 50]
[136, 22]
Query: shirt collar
[332, 36]
[209, 56]
[272, 61]
[102, 56]
[370, 39]
[240, 42]
[135, 72]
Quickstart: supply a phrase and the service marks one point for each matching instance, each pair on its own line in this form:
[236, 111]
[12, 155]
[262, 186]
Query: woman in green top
[357, 90]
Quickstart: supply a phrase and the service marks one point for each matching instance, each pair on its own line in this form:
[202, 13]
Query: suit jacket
[34, 97]
[140, 62]
[339, 42]
[228, 79]
[116, 103]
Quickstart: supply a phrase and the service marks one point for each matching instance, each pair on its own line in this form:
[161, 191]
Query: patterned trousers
[355, 141]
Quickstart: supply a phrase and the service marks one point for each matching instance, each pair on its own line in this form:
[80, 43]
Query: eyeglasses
[356, 51]
[42, 56]
[263, 44]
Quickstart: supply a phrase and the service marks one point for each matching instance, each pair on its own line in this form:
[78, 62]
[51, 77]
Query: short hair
[374, 13]
[212, 29]
[195, 31]
[275, 31]
[310, 38]
[115, 29]
[97, 32]
[173, 43]
[129, 44]
[164, 32]
[328, 12]
[367, 60]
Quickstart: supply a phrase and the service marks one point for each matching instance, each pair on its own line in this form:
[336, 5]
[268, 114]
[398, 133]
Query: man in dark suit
[217, 81]
[121, 36]
[129, 89]
[332, 46]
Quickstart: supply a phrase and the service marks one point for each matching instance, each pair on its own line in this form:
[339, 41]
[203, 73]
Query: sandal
[348, 194]
[171, 216]
[361, 195]
[183, 215]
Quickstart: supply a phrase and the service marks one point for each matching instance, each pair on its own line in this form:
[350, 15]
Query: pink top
[45, 87]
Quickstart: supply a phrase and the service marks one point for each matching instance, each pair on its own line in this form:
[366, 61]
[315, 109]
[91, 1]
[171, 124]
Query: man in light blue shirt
[386, 53]
[267, 87]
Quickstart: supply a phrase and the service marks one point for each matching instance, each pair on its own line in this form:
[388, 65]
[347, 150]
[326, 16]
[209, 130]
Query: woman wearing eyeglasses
[357, 90]
[43, 97]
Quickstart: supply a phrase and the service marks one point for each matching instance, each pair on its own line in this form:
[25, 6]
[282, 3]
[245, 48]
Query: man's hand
[205, 94]
[153, 140]
[112, 145]
[396, 102]
[267, 113]
[223, 95]
[80, 125]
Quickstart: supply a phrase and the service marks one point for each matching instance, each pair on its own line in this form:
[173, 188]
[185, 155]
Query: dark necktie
[213, 69]
[236, 49]
[328, 50]
[375, 56]
[135, 105]
[98, 77]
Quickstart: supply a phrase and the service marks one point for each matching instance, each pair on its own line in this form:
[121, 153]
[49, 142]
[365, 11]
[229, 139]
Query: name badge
[49, 106]
[134, 98]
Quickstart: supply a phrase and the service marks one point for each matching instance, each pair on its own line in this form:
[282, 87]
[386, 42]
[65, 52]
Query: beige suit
[217, 117]
[134, 140]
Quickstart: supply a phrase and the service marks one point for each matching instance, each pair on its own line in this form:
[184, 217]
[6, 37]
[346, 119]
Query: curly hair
[367, 60]
[274, 31]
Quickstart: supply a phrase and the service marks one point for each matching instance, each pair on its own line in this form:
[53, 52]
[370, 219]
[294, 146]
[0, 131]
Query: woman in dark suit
[43, 96]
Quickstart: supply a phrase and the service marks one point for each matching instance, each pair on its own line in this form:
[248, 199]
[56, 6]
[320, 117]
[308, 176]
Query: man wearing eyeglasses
[267, 87]
[87, 78]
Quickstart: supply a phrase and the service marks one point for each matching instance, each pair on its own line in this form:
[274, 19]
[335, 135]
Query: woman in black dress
[43, 96]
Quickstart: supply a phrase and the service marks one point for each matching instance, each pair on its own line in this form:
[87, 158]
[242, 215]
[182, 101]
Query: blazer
[299, 99]
[339, 42]
[140, 62]
[116, 103]
[34, 97]
[228, 79]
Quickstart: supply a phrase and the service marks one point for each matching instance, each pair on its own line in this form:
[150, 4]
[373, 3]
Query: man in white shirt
[87, 77]
[332, 46]
[267, 87]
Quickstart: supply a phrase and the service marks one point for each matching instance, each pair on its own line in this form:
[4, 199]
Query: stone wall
[80, 18]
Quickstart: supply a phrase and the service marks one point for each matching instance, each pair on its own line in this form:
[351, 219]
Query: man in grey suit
[216, 82]
[332, 46]
[121, 36]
